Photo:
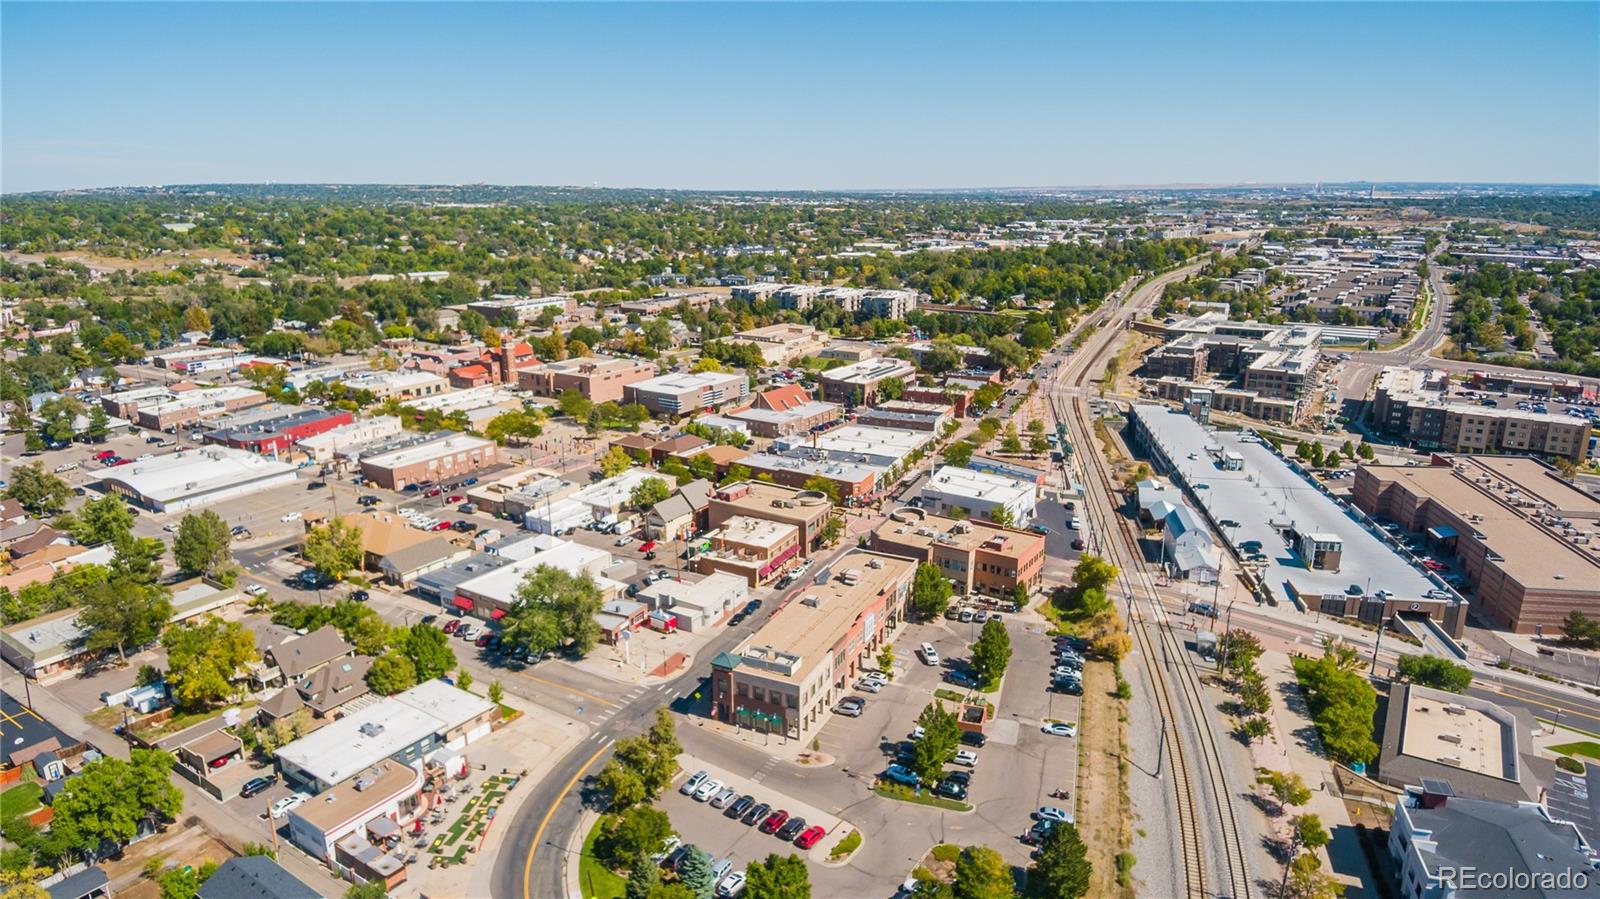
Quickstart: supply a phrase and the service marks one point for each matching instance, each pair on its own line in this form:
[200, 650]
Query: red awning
[497, 614]
[463, 603]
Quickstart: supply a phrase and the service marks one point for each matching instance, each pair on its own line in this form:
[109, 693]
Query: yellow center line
[550, 683]
[538, 835]
[1529, 698]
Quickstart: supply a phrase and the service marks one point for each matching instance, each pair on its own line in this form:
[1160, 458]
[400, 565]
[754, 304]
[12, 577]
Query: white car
[930, 656]
[707, 790]
[256, 590]
[624, 540]
[966, 757]
[1060, 728]
[1051, 813]
[287, 804]
[145, 457]
[731, 886]
[292, 516]
[877, 677]
[693, 783]
[917, 733]
[66, 466]
[869, 686]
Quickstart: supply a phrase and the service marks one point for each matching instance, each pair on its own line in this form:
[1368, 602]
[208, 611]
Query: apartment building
[685, 394]
[786, 677]
[1228, 399]
[867, 302]
[807, 511]
[510, 311]
[756, 549]
[1527, 541]
[857, 384]
[783, 343]
[599, 379]
[444, 455]
[976, 556]
[1432, 421]
[1273, 361]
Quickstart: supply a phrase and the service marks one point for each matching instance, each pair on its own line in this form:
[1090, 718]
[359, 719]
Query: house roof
[383, 533]
[418, 555]
[682, 443]
[298, 654]
[782, 399]
[254, 877]
[282, 703]
[672, 508]
[10, 509]
[470, 371]
[336, 684]
[83, 883]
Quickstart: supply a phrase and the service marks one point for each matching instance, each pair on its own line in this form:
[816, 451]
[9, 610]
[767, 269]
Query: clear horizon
[799, 97]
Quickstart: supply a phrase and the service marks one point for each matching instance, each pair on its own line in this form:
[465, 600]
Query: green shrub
[1567, 763]
[847, 845]
[946, 852]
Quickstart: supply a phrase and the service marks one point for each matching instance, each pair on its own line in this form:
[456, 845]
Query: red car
[647, 546]
[810, 837]
[774, 821]
[104, 455]
[122, 462]
[452, 625]
[434, 492]
[455, 498]
[444, 526]
[1432, 565]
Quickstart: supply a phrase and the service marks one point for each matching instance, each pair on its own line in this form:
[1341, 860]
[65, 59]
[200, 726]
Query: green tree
[137, 560]
[103, 520]
[119, 613]
[982, 874]
[574, 404]
[1038, 444]
[631, 836]
[464, 679]
[534, 627]
[778, 877]
[826, 486]
[1239, 650]
[37, 490]
[1581, 630]
[959, 453]
[1287, 788]
[1001, 515]
[99, 425]
[941, 734]
[1435, 672]
[1305, 833]
[516, 424]
[991, 653]
[695, 873]
[620, 785]
[1037, 336]
[333, 549]
[1063, 868]
[615, 462]
[644, 876]
[204, 659]
[497, 692]
[573, 600]
[1007, 353]
[930, 592]
[890, 389]
[649, 492]
[372, 889]
[1012, 442]
[428, 650]
[109, 797]
[1366, 451]
[201, 546]
[390, 674]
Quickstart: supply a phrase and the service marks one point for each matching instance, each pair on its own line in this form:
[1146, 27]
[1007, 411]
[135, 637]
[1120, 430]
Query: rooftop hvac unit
[1449, 760]
[811, 599]
[1455, 708]
[1451, 738]
[874, 563]
[371, 729]
[363, 784]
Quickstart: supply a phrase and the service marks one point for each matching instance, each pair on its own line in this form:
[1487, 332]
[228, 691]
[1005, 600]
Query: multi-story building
[599, 379]
[346, 440]
[976, 556]
[784, 342]
[685, 394]
[126, 403]
[756, 549]
[907, 416]
[405, 384]
[201, 404]
[853, 481]
[870, 302]
[445, 455]
[1528, 541]
[1273, 361]
[510, 311]
[807, 511]
[980, 495]
[857, 384]
[1402, 408]
[787, 677]
[277, 434]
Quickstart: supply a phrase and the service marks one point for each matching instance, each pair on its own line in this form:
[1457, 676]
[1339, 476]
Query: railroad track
[1120, 543]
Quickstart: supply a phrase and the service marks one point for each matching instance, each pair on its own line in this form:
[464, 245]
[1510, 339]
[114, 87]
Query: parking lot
[721, 835]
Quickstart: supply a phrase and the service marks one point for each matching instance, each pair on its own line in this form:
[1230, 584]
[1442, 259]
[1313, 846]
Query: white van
[929, 655]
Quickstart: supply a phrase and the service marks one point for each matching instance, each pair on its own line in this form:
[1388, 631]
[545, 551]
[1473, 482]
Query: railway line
[1221, 869]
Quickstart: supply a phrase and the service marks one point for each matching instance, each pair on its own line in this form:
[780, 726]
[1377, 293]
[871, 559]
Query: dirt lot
[1101, 778]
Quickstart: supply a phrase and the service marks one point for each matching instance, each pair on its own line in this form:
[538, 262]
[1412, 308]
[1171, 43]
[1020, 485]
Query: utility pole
[1382, 623]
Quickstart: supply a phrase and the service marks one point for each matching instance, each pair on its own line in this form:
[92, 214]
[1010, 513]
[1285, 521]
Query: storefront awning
[463, 603]
[497, 614]
[1442, 532]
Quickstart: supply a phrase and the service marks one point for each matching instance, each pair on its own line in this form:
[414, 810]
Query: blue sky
[797, 95]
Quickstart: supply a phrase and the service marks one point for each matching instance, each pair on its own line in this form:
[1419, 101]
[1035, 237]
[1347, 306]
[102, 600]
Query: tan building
[808, 511]
[1528, 541]
[756, 549]
[858, 383]
[599, 379]
[786, 677]
[1404, 405]
[976, 556]
[447, 455]
[783, 343]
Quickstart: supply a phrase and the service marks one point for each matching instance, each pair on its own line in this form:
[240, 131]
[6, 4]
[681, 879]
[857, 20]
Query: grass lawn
[20, 799]
[904, 794]
[1586, 748]
[595, 879]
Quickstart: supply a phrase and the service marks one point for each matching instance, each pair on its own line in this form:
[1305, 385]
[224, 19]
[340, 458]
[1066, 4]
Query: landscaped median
[890, 790]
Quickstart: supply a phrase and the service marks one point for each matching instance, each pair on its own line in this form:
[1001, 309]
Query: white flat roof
[340, 750]
[872, 440]
[501, 584]
[755, 531]
[870, 371]
[994, 488]
[682, 383]
[471, 398]
[205, 396]
[804, 410]
[189, 472]
[616, 491]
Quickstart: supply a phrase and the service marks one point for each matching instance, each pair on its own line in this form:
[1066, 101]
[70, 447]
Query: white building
[406, 384]
[489, 595]
[881, 448]
[610, 496]
[700, 605]
[193, 478]
[345, 440]
[978, 494]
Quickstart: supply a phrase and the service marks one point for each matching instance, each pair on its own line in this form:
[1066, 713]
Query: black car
[463, 526]
[791, 828]
[758, 813]
[257, 785]
[973, 738]
[677, 855]
[1070, 687]
[360, 595]
[239, 530]
[963, 778]
[751, 606]
[316, 485]
[950, 790]
[429, 619]
[369, 500]
[740, 806]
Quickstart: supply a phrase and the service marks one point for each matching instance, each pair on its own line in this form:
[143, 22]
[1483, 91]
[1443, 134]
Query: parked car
[256, 785]
[851, 706]
[291, 516]
[961, 679]
[451, 626]
[707, 789]
[810, 837]
[902, 774]
[443, 526]
[693, 783]
[966, 757]
[288, 804]
[483, 640]
[774, 821]
[624, 540]
[732, 885]
[433, 492]
[1078, 544]
[1060, 728]
[791, 828]
[255, 590]
[757, 813]
[973, 738]
[741, 805]
[929, 655]
[369, 500]
[722, 799]
[1051, 813]
[360, 595]
[870, 686]
[455, 498]
[949, 789]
